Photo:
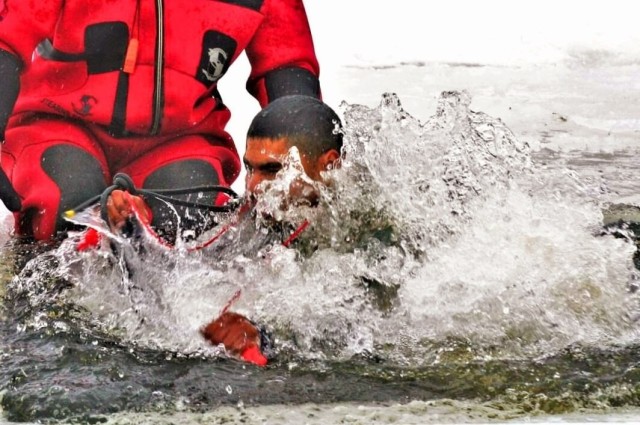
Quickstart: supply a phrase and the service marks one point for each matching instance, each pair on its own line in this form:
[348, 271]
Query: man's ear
[328, 160]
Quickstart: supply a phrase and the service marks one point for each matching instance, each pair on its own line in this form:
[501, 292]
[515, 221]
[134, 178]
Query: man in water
[303, 122]
[89, 90]
[314, 129]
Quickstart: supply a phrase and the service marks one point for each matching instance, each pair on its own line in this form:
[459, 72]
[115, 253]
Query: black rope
[122, 181]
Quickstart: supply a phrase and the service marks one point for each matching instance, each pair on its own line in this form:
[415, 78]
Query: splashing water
[430, 237]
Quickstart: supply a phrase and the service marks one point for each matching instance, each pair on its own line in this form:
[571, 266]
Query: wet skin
[121, 206]
[264, 158]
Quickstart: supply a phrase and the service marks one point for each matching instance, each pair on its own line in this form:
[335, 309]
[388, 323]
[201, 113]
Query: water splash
[432, 237]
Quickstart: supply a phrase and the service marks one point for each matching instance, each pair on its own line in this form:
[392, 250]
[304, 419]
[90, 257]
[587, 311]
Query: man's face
[264, 158]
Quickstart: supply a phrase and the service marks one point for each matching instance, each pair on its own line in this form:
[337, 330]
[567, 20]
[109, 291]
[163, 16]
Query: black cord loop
[122, 181]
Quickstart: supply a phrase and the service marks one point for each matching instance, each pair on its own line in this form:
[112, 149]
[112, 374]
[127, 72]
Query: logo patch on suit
[218, 58]
[217, 51]
[86, 104]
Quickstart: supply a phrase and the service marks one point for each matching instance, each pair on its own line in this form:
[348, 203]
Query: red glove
[239, 336]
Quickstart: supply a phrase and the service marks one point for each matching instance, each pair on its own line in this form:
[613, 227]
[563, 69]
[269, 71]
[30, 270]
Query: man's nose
[252, 182]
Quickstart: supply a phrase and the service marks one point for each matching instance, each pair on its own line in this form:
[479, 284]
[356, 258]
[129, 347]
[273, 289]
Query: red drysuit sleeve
[25, 23]
[281, 53]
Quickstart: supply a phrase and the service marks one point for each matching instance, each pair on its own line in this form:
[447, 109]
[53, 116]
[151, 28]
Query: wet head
[300, 122]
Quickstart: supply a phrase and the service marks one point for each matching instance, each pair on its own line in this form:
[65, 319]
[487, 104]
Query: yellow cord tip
[69, 213]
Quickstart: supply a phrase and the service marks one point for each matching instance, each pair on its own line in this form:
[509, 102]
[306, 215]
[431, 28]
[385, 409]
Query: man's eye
[272, 169]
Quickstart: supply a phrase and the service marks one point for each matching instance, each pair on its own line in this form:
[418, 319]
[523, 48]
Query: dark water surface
[72, 374]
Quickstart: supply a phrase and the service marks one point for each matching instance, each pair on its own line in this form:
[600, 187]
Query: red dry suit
[90, 88]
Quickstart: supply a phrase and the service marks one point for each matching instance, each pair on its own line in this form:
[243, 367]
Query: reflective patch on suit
[182, 174]
[77, 174]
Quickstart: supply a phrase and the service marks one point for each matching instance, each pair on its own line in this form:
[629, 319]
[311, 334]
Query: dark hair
[306, 122]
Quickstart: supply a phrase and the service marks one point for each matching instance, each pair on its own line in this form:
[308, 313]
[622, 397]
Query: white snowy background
[365, 33]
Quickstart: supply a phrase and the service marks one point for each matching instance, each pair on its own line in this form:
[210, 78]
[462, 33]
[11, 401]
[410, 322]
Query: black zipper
[158, 96]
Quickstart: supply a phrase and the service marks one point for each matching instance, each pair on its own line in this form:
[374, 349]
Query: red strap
[295, 234]
[212, 240]
[233, 299]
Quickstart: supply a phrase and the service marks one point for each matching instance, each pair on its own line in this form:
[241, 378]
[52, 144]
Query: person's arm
[240, 337]
[9, 88]
[23, 24]
[10, 67]
[282, 56]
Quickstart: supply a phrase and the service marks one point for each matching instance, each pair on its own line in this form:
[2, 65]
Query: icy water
[458, 269]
